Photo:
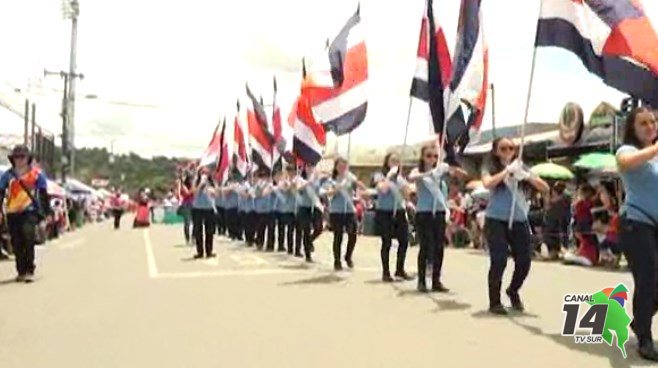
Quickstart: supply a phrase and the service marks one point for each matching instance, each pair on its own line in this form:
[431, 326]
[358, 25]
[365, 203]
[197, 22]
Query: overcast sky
[187, 62]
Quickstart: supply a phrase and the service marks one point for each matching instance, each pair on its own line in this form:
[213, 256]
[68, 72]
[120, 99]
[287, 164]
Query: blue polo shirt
[640, 184]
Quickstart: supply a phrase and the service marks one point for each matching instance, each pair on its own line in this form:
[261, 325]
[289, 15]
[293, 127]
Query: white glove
[440, 170]
[514, 167]
[392, 172]
[522, 175]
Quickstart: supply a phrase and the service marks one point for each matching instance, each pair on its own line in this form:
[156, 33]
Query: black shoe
[517, 304]
[298, 255]
[422, 288]
[198, 256]
[338, 267]
[281, 249]
[403, 275]
[290, 251]
[648, 352]
[29, 278]
[309, 259]
[211, 255]
[269, 250]
[439, 288]
[387, 278]
[349, 263]
[498, 309]
[20, 278]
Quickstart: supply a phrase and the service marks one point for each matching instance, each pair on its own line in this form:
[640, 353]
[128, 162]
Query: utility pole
[71, 9]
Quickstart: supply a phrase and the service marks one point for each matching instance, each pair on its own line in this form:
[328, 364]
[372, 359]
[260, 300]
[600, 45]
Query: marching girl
[308, 188]
[430, 177]
[284, 200]
[247, 194]
[220, 210]
[637, 160]
[501, 175]
[203, 214]
[341, 188]
[263, 210]
[231, 211]
[391, 215]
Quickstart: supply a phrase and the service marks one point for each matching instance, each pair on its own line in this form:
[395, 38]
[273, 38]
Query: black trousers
[431, 229]
[232, 223]
[203, 229]
[186, 212]
[117, 217]
[265, 230]
[343, 223]
[303, 226]
[286, 230]
[22, 232]
[220, 221]
[317, 223]
[249, 223]
[639, 242]
[391, 226]
[502, 241]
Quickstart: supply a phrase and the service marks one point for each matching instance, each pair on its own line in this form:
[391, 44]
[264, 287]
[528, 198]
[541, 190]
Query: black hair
[334, 173]
[559, 187]
[421, 162]
[492, 162]
[587, 190]
[385, 166]
[630, 138]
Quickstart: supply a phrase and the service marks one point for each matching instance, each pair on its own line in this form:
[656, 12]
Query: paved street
[132, 298]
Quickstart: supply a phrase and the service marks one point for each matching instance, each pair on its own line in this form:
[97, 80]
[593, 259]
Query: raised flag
[343, 106]
[614, 39]
[240, 154]
[211, 154]
[469, 84]
[223, 162]
[433, 68]
[262, 140]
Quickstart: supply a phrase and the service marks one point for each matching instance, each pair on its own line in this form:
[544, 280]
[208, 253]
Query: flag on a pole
[433, 68]
[241, 152]
[262, 140]
[223, 162]
[211, 154]
[341, 107]
[614, 39]
[469, 82]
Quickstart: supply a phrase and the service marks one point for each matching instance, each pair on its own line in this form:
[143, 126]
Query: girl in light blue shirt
[637, 161]
[431, 191]
[502, 175]
[342, 188]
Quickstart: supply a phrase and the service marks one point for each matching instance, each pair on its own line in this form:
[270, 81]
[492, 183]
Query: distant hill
[138, 172]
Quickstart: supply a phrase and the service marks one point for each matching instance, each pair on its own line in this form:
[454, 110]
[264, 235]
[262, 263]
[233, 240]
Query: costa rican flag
[614, 39]
[211, 154]
[309, 136]
[223, 162]
[470, 81]
[262, 140]
[433, 67]
[240, 155]
[337, 81]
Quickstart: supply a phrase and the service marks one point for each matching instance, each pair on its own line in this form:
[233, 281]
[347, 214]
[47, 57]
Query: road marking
[248, 260]
[256, 272]
[150, 257]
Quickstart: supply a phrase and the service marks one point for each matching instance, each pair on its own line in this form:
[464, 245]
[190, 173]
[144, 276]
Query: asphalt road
[135, 298]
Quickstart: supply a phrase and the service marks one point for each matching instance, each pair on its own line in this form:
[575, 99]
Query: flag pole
[525, 121]
[406, 136]
[493, 110]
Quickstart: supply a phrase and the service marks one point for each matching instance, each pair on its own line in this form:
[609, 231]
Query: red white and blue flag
[211, 154]
[614, 39]
[337, 81]
[469, 84]
[433, 67]
[262, 140]
[309, 137]
[223, 162]
[241, 150]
